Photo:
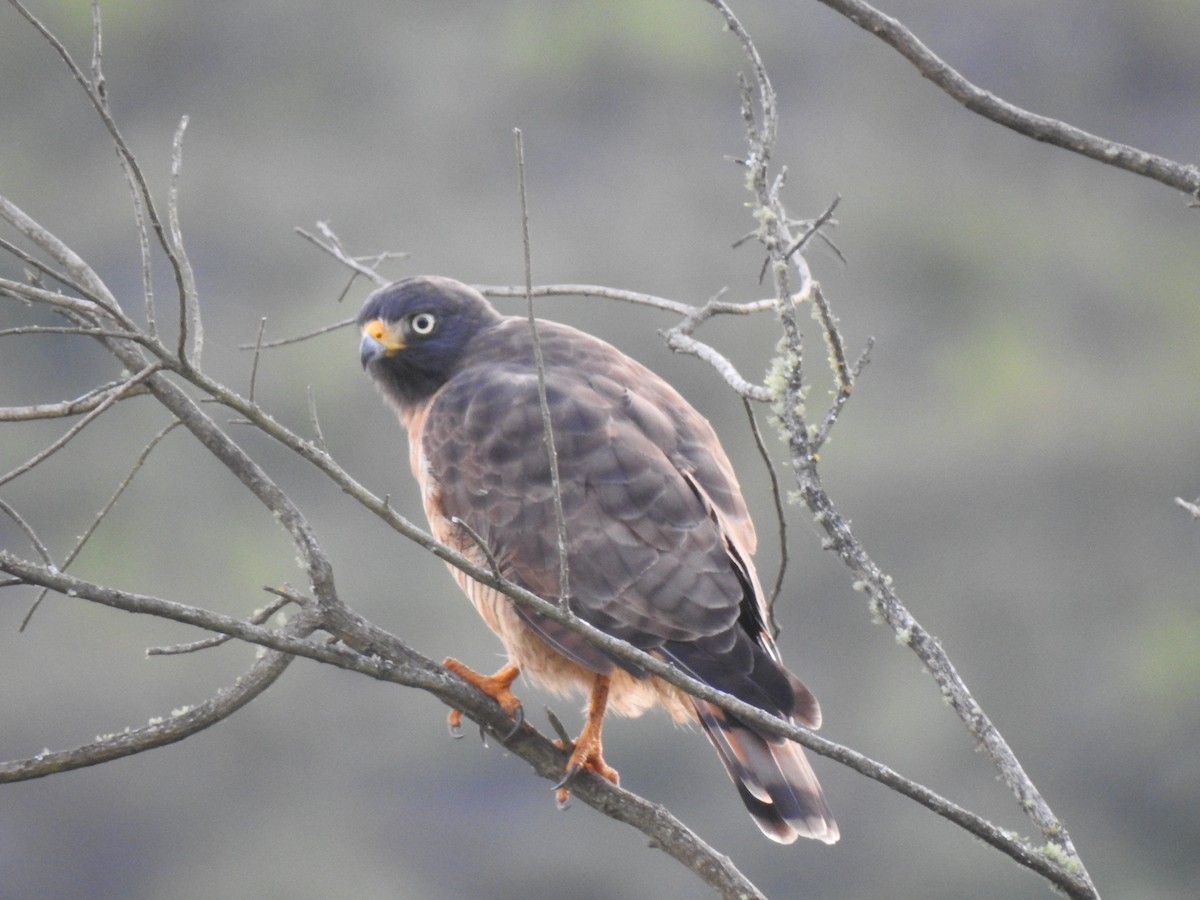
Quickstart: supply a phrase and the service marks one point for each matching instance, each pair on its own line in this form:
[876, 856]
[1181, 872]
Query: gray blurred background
[1010, 456]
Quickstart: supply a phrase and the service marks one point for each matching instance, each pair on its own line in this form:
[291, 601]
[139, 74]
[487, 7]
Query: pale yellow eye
[423, 323]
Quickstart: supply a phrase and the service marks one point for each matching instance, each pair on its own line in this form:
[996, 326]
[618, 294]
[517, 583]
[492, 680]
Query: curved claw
[454, 726]
[562, 793]
[569, 774]
[518, 715]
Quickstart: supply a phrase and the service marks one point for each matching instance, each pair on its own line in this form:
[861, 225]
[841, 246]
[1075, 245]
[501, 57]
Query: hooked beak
[377, 340]
[369, 350]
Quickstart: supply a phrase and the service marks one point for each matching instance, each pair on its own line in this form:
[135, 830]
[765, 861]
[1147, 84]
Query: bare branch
[283, 342]
[95, 413]
[98, 82]
[331, 245]
[1185, 178]
[87, 309]
[586, 290]
[182, 722]
[790, 386]
[679, 338]
[391, 660]
[388, 660]
[86, 403]
[139, 216]
[257, 618]
[64, 329]
[40, 266]
[812, 229]
[81, 274]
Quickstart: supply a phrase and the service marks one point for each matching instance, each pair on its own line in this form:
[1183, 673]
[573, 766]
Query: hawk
[659, 541]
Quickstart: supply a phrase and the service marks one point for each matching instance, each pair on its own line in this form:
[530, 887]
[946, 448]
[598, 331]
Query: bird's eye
[423, 323]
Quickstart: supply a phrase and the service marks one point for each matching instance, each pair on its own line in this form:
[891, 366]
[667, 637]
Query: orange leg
[587, 751]
[495, 686]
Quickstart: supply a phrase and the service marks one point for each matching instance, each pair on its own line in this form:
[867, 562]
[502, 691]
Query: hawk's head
[416, 331]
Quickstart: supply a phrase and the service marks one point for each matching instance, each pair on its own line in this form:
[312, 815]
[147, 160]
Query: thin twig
[95, 413]
[104, 511]
[479, 543]
[842, 372]
[68, 329]
[99, 85]
[334, 248]
[258, 618]
[283, 342]
[679, 338]
[315, 421]
[139, 218]
[585, 290]
[28, 259]
[40, 547]
[560, 521]
[840, 397]
[99, 299]
[83, 404]
[182, 723]
[814, 228]
[258, 343]
[98, 82]
[190, 324]
[780, 518]
[87, 310]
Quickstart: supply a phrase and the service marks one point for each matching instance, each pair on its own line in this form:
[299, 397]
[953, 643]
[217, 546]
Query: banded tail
[773, 777]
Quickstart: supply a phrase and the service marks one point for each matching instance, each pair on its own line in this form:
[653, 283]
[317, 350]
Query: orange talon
[587, 752]
[495, 686]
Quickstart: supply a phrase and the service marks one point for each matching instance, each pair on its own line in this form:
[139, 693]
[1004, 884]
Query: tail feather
[773, 777]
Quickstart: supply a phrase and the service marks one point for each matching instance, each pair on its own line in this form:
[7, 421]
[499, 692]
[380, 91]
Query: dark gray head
[416, 331]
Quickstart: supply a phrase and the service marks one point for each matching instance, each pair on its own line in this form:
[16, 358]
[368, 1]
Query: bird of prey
[659, 541]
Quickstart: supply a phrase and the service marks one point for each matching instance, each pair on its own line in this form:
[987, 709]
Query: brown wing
[648, 498]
